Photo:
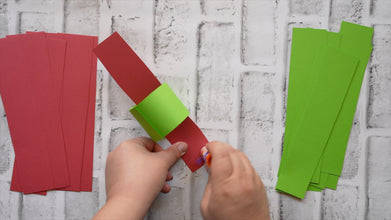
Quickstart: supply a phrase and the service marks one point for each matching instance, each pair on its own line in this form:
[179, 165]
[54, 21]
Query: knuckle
[214, 143]
[241, 154]
[237, 152]
[247, 188]
[121, 147]
[226, 192]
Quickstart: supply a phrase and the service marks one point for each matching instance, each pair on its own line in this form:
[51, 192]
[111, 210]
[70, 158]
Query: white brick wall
[228, 62]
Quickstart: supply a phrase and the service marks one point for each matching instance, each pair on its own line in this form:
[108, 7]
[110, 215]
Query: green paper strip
[356, 40]
[334, 70]
[306, 43]
[323, 178]
[160, 112]
[145, 124]
[316, 175]
[332, 181]
[333, 40]
[314, 188]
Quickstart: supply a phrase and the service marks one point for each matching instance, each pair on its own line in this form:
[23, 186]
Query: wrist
[123, 208]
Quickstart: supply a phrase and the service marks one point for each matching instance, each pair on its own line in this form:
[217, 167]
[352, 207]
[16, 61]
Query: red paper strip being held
[137, 81]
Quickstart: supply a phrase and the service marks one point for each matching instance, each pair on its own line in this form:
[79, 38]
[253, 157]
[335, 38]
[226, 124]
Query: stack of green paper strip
[326, 73]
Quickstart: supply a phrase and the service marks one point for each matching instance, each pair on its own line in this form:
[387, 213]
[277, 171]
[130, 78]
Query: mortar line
[281, 50]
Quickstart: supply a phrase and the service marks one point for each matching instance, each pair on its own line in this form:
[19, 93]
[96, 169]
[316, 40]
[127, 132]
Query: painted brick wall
[228, 61]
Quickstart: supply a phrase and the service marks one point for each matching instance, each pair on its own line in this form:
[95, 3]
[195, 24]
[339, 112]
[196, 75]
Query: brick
[3, 24]
[5, 200]
[258, 38]
[218, 135]
[256, 120]
[117, 5]
[2, 115]
[381, 8]
[379, 177]
[305, 7]
[181, 87]
[98, 145]
[224, 8]
[341, 203]
[5, 142]
[4, 157]
[118, 135]
[3, 6]
[38, 207]
[168, 206]
[35, 3]
[119, 102]
[82, 205]
[345, 10]
[81, 17]
[292, 208]
[379, 103]
[171, 32]
[36, 21]
[134, 31]
[353, 151]
[257, 96]
[273, 198]
[3, 18]
[215, 74]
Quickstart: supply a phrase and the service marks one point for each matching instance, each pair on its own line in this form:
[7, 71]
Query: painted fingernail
[182, 147]
[206, 156]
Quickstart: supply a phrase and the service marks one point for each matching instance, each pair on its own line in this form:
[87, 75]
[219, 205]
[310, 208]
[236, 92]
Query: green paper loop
[160, 112]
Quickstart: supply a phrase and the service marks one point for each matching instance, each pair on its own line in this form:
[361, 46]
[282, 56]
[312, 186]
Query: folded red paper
[137, 81]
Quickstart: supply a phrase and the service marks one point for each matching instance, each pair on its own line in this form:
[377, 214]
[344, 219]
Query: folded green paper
[160, 112]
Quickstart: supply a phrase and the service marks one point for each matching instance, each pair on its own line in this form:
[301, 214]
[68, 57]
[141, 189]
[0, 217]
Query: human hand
[136, 171]
[234, 189]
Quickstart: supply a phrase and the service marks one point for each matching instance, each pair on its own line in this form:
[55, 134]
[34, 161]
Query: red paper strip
[86, 173]
[28, 94]
[56, 49]
[78, 83]
[137, 81]
[78, 87]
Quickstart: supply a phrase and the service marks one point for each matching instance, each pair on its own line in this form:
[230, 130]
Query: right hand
[234, 189]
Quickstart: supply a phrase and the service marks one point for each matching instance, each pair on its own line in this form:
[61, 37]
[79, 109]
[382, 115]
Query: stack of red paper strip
[47, 84]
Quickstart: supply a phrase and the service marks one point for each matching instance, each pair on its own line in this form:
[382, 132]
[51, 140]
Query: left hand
[136, 171]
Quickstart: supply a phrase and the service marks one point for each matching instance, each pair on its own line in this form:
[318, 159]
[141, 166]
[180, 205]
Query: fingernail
[182, 147]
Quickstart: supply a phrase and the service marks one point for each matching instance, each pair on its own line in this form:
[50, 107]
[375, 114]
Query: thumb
[172, 154]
